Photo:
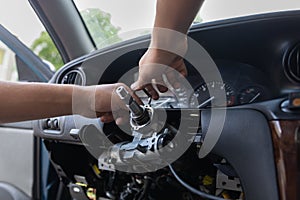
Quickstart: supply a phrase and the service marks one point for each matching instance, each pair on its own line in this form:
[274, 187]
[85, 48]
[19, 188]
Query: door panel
[16, 157]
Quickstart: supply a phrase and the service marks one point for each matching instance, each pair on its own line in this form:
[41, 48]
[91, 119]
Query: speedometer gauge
[201, 97]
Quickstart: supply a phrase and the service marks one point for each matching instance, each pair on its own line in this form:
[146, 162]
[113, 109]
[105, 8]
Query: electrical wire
[193, 190]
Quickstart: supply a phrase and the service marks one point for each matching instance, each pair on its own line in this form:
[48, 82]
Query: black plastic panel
[246, 144]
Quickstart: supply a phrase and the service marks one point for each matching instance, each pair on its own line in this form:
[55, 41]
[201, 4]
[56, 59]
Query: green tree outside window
[98, 24]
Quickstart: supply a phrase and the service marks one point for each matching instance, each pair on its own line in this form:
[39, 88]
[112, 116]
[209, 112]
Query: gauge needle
[206, 102]
[255, 97]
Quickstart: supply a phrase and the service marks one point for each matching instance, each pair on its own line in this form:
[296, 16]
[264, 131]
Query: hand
[155, 64]
[109, 106]
[103, 102]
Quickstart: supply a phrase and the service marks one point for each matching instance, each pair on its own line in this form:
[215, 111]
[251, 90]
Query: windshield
[113, 21]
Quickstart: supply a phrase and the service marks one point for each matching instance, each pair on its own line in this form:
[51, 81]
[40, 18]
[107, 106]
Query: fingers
[160, 84]
[156, 77]
[119, 120]
[105, 117]
[152, 87]
[162, 88]
[120, 117]
[113, 108]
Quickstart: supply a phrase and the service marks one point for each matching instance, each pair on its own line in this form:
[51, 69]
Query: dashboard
[258, 72]
[252, 63]
[242, 83]
[255, 67]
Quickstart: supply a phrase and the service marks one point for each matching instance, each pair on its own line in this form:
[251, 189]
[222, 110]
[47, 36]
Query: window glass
[216, 9]
[112, 21]
[8, 69]
[20, 19]
[24, 24]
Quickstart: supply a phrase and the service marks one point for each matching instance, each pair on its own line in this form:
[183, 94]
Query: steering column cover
[246, 143]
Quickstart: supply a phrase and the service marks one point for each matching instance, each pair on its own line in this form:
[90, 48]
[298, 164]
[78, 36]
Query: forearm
[176, 14]
[172, 21]
[168, 45]
[27, 101]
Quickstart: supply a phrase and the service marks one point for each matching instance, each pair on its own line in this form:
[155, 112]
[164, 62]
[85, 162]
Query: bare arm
[177, 15]
[28, 101]
[168, 45]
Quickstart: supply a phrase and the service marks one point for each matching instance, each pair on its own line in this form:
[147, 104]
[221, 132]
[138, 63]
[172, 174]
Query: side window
[18, 63]
[44, 47]
[8, 66]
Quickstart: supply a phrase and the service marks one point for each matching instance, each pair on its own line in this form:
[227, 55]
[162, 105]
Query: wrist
[169, 40]
[83, 100]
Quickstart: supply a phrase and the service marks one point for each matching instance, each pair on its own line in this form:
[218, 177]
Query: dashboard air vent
[292, 64]
[75, 77]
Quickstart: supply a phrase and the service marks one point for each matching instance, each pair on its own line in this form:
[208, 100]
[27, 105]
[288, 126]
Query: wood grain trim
[286, 150]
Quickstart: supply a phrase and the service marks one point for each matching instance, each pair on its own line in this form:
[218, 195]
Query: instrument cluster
[201, 97]
[242, 84]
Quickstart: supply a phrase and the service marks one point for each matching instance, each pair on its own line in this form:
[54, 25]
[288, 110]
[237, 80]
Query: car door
[19, 150]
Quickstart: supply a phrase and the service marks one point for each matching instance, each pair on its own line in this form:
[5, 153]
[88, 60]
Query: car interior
[256, 156]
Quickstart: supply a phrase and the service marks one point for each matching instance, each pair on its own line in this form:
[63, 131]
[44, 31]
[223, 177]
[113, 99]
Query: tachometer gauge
[201, 97]
[250, 95]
